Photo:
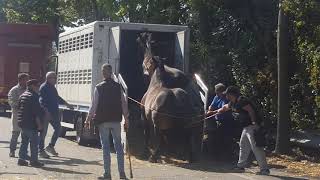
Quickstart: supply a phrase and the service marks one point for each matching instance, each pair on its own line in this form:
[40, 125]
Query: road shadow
[276, 166]
[69, 161]
[5, 114]
[4, 142]
[288, 178]
[65, 171]
[16, 173]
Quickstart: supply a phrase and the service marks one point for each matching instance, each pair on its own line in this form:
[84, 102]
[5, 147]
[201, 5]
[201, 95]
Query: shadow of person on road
[220, 167]
[16, 173]
[289, 178]
[4, 142]
[69, 161]
[58, 170]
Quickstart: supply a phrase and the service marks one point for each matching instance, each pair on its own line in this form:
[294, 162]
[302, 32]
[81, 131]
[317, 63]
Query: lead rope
[170, 115]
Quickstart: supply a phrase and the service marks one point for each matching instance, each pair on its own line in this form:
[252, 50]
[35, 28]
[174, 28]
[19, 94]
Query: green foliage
[35, 11]
[2, 13]
[305, 18]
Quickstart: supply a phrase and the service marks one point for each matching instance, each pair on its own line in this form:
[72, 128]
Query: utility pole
[283, 139]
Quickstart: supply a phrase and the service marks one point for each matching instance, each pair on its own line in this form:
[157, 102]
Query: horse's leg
[158, 141]
[146, 131]
[188, 145]
[165, 141]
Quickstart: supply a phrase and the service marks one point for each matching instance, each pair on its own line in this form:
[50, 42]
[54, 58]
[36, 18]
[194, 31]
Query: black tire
[80, 138]
[63, 132]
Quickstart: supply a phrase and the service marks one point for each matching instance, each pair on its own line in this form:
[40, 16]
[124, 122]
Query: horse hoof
[153, 159]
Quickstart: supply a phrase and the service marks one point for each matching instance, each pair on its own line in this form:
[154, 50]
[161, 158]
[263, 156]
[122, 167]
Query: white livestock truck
[83, 50]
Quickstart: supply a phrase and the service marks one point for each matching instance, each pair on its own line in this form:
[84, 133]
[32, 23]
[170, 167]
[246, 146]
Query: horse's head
[150, 62]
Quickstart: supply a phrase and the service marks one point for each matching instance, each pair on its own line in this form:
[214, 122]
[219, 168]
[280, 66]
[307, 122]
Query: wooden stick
[129, 155]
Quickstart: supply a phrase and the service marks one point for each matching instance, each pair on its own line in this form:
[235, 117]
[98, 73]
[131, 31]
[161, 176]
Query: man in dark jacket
[29, 121]
[49, 101]
[108, 106]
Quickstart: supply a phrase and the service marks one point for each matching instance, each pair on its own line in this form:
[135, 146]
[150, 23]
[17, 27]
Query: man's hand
[69, 106]
[211, 113]
[45, 110]
[87, 123]
[40, 127]
[126, 124]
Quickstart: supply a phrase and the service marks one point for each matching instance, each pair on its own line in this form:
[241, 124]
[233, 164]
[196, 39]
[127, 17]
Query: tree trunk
[282, 141]
[95, 9]
[204, 22]
[56, 23]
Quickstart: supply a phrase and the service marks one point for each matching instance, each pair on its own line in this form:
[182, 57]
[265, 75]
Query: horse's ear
[141, 41]
[159, 61]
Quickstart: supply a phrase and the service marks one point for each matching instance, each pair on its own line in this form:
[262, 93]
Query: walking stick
[129, 155]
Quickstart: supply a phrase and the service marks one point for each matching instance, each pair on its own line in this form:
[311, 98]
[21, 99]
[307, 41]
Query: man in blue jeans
[29, 122]
[108, 105]
[49, 101]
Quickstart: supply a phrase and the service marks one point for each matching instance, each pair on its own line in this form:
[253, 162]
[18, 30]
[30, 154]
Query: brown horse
[171, 103]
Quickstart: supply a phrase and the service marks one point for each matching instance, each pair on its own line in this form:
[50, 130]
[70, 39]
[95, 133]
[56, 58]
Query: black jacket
[109, 105]
[29, 110]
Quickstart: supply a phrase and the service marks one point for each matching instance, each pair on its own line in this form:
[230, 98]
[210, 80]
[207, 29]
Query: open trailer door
[182, 50]
[114, 49]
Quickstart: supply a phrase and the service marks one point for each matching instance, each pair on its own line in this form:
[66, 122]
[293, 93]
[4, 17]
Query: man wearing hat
[29, 121]
[13, 97]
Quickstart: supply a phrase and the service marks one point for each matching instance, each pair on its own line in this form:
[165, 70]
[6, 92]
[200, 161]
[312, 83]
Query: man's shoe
[12, 154]
[44, 154]
[123, 175]
[105, 177]
[22, 162]
[264, 172]
[36, 164]
[51, 150]
[238, 170]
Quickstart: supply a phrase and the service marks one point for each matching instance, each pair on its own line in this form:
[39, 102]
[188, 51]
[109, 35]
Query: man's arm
[251, 112]
[43, 97]
[36, 108]
[62, 101]
[224, 108]
[13, 98]
[124, 104]
[212, 106]
[93, 107]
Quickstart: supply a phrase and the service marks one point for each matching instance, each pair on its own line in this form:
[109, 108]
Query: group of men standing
[33, 108]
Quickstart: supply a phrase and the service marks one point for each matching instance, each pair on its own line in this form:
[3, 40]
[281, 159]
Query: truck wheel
[63, 132]
[81, 139]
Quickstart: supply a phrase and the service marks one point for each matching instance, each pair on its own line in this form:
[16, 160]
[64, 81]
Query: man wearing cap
[245, 112]
[29, 121]
[49, 101]
[13, 98]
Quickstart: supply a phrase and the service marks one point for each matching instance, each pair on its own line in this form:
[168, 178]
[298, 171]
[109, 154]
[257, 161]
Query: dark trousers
[14, 140]
[56, 124]
[32, 136]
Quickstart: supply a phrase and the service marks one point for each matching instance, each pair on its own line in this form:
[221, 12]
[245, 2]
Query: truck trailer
[83, 50]
[24, 48]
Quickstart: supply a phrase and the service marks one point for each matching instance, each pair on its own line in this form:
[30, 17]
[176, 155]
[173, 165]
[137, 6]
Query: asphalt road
[78, 162]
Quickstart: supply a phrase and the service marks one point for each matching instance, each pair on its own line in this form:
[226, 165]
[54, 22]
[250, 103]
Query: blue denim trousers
[115, 129]
[54, 120]
[32, 136]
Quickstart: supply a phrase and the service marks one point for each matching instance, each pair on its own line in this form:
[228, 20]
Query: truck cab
[24, 48]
